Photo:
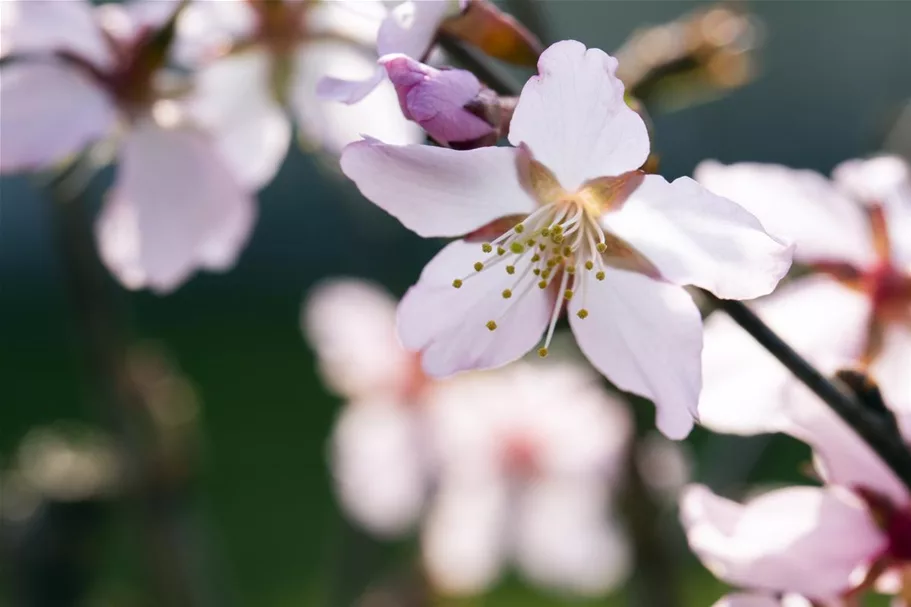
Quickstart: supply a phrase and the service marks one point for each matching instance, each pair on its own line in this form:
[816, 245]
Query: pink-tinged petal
[646, 337]
[804, 540]
[49, 26]
[574, 119]
[464, 536]
[50, 111]
[356, 21]
[331, 88]
[125, 22]
[378, 465]
[207, 29]
[892, 367]
[174, 208]
[878, 180]
[351, 325]
[436, 191]
[564, 540]
[797, 206]
[330, 125]
[411, 27]
[449, 326]
[232, 100]
[745, 387]
[697, 238]
[742, 599]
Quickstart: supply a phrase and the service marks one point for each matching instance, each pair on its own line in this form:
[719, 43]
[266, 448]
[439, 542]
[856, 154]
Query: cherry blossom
[741, 599]
[257, 65]
[515, 465]
[78, 75]
[852, 307]
[567, 220]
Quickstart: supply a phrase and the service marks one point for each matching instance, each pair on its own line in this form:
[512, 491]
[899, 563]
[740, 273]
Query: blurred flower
[853, 307]
[441, 101]
[513, 465]
[818, 542]
[760, 600]
[567, 217]
[77, 76]
[410, 28]
[257, 62]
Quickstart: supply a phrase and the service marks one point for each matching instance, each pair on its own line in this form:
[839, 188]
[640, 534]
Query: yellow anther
[589, 264]
[510, 269]
[535, 258]
[536, 271]
[457, 283]
[558, 229]
[551, 262]
[501, 251]
[557, 238]
[542, 284]
[517, 247]
[568, 294]
[491, 325]
[487, 247]
[600, 275]
[507, 293]
[545, 232]
[601, 247]
[567, 251]
[542, 246]
[570, 269]
[478, 266]
[545, 273]
[531, 242]
[519, 228]
[542, 352]
[583, 313]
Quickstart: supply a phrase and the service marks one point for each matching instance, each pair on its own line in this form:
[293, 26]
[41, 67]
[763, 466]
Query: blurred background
[256, 512]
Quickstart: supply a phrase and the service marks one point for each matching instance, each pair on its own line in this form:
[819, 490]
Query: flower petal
[564, 541]
[697, 238]
[646, 337]
[448, 325]
[436, 191]
[464, 535]
[890, 369]
[742, 599]
[50, 111]
[46, 27]
[745, 387]
[805, 540]
[206, 29]
[798, 206]
[377, 464]
[331, 125]
[878, 180]
[574, 118]
[174, 208]
[232, 99]
[351, 325]
[411, 27]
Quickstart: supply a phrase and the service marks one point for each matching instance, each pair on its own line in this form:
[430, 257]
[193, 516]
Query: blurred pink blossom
[517, 465]
[257, 67]
[761, 600]
[567, 218]
[853, 307]
[79, 75]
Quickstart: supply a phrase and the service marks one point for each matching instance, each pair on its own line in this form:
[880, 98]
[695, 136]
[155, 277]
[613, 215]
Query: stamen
[487, 247]
[519, 228]
[589, 264]
[600, 275]
[510, 269]
[517, 247]
[582, 313]
[478, 266]
[507, 293]
[491, 325]
[457, 283]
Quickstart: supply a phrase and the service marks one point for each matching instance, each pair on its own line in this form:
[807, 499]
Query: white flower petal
[464, 535]
[378, 466]
[126, 21]
[437, 191]
[745, 387]
[565, 539]
[797, 206]
[448, 325]
[891, 367]
[697, 238]
[174, 208]
[805, 540]
[351, 325]
[331, 125]
[207, 28]
[411, 27]
[742, 599]
[232, 99]
[574, 118]
[48, 26]
[646, 337]
[878, 180]
[50, 111]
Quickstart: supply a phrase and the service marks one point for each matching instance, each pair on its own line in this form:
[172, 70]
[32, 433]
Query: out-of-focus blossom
[257, 66]
[77, 75]
[446, 103]
[822, 543]
[566, 218]
[741, 599]
[516, 465]
[852, 309]
[411, 27]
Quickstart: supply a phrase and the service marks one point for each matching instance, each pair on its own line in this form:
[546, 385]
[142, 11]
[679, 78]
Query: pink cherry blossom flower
[824, 543]
[741, 599]
[566, 219]
[78, 76]
[257, 65]
[517, 465]
[853, 308]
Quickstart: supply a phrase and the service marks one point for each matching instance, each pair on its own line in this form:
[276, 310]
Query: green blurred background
[834, 77]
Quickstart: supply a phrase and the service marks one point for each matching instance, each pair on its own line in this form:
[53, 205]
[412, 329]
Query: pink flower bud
[437, 99]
